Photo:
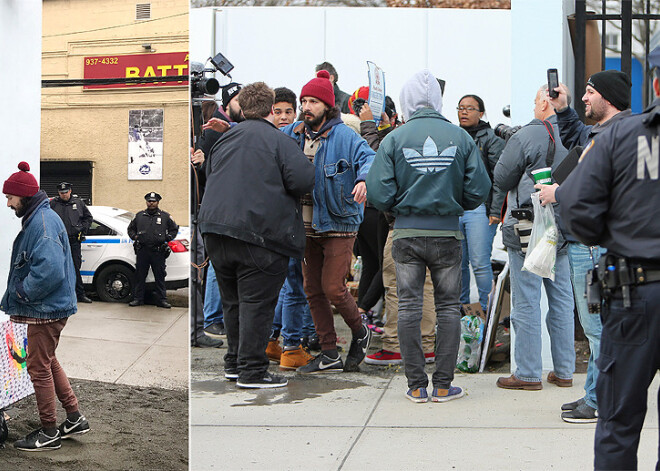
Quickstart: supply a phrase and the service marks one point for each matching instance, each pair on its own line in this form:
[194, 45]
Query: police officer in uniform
[611, 199]
[151, 229]
[77, 219]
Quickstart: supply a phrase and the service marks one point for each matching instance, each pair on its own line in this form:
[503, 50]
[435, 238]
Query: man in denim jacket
[332, 214]
[41, 292]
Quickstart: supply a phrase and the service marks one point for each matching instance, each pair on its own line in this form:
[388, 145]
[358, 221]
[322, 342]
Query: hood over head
[422, 90]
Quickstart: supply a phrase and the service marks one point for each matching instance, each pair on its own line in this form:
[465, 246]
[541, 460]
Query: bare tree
[639, 27]
[288, 3]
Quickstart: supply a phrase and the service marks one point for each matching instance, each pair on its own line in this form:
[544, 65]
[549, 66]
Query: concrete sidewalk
[139, 346]
[357, 421]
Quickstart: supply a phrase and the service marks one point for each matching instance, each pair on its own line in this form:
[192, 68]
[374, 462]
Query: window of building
[612, 40]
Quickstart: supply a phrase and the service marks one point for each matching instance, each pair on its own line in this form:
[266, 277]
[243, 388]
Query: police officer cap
[153, 196]
[654, 58]
[64, 186]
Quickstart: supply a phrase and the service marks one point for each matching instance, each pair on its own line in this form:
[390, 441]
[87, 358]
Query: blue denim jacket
[42, 279]
[342, 160]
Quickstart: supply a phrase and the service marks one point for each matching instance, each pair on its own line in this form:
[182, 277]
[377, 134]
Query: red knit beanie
[21, 183]
[321, 88]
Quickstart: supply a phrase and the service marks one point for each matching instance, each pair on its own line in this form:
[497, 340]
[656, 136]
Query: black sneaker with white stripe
[231, 373]
[358, 350]
[268, 380]
[39, 441]
[68, 429]
[322, 364]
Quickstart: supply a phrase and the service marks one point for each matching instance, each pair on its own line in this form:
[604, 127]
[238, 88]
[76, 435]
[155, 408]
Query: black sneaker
[266, 381]
[216, 331]
[358, 350]
[68, 429]
[322, 364]
[573, 405]
[204, 341]
[582, 414]
[231, 373]
[39, 441]
[313, 343]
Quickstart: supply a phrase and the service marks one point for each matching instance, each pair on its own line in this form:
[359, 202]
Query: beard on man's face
[235, 116]
[313, 121]
[20, 208]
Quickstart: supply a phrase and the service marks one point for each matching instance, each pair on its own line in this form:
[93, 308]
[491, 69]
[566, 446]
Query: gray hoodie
[422, 90]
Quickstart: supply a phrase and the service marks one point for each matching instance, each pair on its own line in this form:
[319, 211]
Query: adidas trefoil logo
[430, 160]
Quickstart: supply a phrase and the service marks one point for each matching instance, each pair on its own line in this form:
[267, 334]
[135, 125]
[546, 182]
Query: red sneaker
[383, 357]
[429, 357]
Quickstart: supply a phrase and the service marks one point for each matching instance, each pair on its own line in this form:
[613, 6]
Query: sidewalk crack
[366, 424]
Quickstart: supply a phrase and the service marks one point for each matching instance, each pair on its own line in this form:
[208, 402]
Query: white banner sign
[376, 90]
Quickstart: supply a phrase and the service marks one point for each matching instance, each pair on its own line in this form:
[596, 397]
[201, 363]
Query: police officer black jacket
[611, 198]
[152, 229]
[75, 215]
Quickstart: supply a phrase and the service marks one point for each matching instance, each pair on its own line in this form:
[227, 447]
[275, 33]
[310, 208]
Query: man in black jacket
[251, 222]
[607, 101]
[77, 219]
[151, 230]
[611, 200]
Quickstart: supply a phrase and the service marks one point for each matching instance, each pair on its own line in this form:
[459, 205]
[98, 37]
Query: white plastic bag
[542, 250]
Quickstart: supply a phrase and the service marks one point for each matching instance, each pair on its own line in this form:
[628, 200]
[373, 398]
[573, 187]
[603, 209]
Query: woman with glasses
[476, 225]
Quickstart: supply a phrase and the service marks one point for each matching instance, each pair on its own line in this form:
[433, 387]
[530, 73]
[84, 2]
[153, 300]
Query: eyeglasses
[467, 108]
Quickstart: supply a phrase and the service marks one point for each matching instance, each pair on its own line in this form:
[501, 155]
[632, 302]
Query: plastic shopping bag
[542, 250]
[469, 350]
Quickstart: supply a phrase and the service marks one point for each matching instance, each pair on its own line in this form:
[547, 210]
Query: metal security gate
[623, 12]
[76, 172]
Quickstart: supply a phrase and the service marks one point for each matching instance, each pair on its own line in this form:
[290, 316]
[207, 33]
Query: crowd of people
[287, 203]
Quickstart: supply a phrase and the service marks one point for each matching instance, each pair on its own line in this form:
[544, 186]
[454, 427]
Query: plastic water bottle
[357, 269]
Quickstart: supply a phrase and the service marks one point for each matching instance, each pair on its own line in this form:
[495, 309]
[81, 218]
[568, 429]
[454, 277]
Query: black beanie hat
[614, 86]
[229, 91]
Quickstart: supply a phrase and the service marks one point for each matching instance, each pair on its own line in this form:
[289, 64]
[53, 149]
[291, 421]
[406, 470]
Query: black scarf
[479, 126]
[32, 203]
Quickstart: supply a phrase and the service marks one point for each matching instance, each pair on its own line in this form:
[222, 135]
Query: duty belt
[618, 272]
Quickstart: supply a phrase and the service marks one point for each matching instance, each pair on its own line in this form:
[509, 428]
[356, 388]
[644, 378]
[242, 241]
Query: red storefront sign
[167, 64]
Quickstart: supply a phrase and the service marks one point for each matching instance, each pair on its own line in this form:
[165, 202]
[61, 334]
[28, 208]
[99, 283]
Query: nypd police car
[108, 259]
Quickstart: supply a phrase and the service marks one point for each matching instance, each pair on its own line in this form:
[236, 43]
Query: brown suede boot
[292, 359]
[273, 350]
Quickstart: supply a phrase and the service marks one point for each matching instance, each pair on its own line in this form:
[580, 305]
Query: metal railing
[626, 17]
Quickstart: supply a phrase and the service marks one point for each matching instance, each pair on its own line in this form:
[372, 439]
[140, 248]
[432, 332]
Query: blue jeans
[291, 306]
[212, 301]
[526, 318]
[580, 261]
[442, 255]
[477, 248]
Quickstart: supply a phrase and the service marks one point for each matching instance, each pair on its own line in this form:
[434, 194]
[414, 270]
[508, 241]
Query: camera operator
[534, 146]
[611, 199]
[607, 100]
[212, 130]
[220, 122]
